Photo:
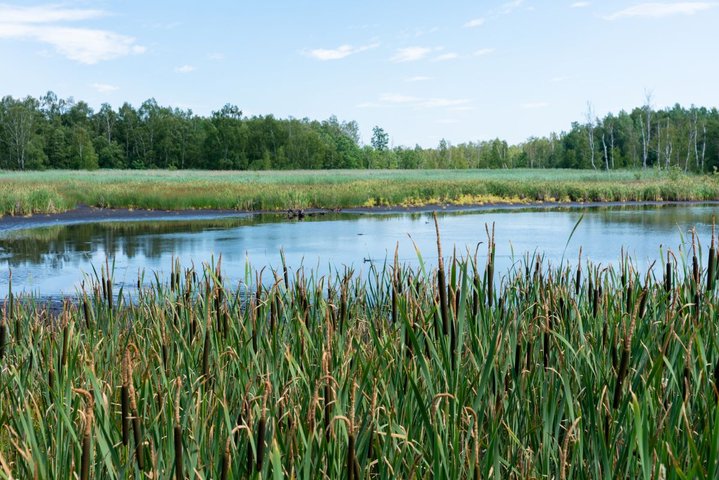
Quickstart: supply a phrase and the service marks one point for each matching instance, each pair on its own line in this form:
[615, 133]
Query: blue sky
[423, 70]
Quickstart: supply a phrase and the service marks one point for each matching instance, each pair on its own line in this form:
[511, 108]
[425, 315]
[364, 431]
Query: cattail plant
[668, 285]
[136, 428]
[3, 331]
[86, 308]
[351, 463]
[325, 338]
[178, 433]
[227, 452]
[578, 278]
[11, 304]
[126, 371]
[711, 264]
[441, 283]
[87, 435]
[624, 359]
[207, 345]
[109, 285]
[490, 264]
[262, 427]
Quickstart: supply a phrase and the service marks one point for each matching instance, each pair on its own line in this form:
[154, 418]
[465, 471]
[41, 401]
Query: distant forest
[49, 132]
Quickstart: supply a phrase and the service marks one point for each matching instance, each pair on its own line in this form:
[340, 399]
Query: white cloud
[45, 14]
[505, 8]
[417, 32]
[397, 98]
[447, 121]
[338, 53]
[658, 10]
[483, 51]
[84, 45]
[443, 102]
[185, 69]
[534, 105]
[401, 100]
[418, 78]
[446, 56]
[412, 54]
[475, 22]
[216, 56]
[580, 4]
[509, 7]
[104, 87]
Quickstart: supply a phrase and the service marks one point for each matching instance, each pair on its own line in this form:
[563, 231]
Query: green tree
[380, 139]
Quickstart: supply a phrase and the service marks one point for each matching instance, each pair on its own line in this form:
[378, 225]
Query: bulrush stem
[668, 275]
[109, 283]
[695, 263]
[103, 283]
[624, 359]
[711, 264]
[227, 453]
[564, 452]
[87, 435]
[137, 433]
[490, 265]
[86, 309]
[206, 346]
[578, 279]
[262, 427]
[65, 338]
[395, 284]
[629, 292]
[11, 303]
[328, 393]
[125, 398]
[3, 332]
[178, 433]
[441, 282]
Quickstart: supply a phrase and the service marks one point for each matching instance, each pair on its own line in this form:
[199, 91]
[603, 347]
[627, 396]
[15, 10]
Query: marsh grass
[379, 376]
[23, 193]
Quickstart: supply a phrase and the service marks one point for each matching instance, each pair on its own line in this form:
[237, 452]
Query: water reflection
[52, 260]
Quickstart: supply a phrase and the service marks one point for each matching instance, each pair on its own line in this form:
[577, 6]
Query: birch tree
[646, 134]
[19, 123]
[590, 132]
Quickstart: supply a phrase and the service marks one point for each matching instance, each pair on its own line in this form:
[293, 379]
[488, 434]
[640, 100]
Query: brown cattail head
[136, 429]
[86, 439]
[178, 382]
[262, 426]
[313, 406]
[565, 449]
[711, 264]
[178, 434]
[125, 397]
[441, 282]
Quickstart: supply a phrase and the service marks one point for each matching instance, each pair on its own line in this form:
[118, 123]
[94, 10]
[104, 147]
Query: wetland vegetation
[456, 371]
[24, 193]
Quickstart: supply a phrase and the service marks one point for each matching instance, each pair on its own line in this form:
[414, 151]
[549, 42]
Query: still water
[52, 261]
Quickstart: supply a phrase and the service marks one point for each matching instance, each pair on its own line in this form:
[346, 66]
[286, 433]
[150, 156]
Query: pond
[52, 261]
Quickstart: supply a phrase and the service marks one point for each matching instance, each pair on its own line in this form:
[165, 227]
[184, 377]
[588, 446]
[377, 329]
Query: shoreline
[84, 214]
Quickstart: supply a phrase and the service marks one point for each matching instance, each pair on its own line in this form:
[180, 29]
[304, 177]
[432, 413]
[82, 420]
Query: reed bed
[447, 372]
[26, 193]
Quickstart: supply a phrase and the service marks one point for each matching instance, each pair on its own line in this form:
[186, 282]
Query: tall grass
[56, 191]
[405, 373]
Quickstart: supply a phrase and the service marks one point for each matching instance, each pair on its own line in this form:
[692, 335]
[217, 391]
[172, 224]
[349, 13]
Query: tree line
[50, 132]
